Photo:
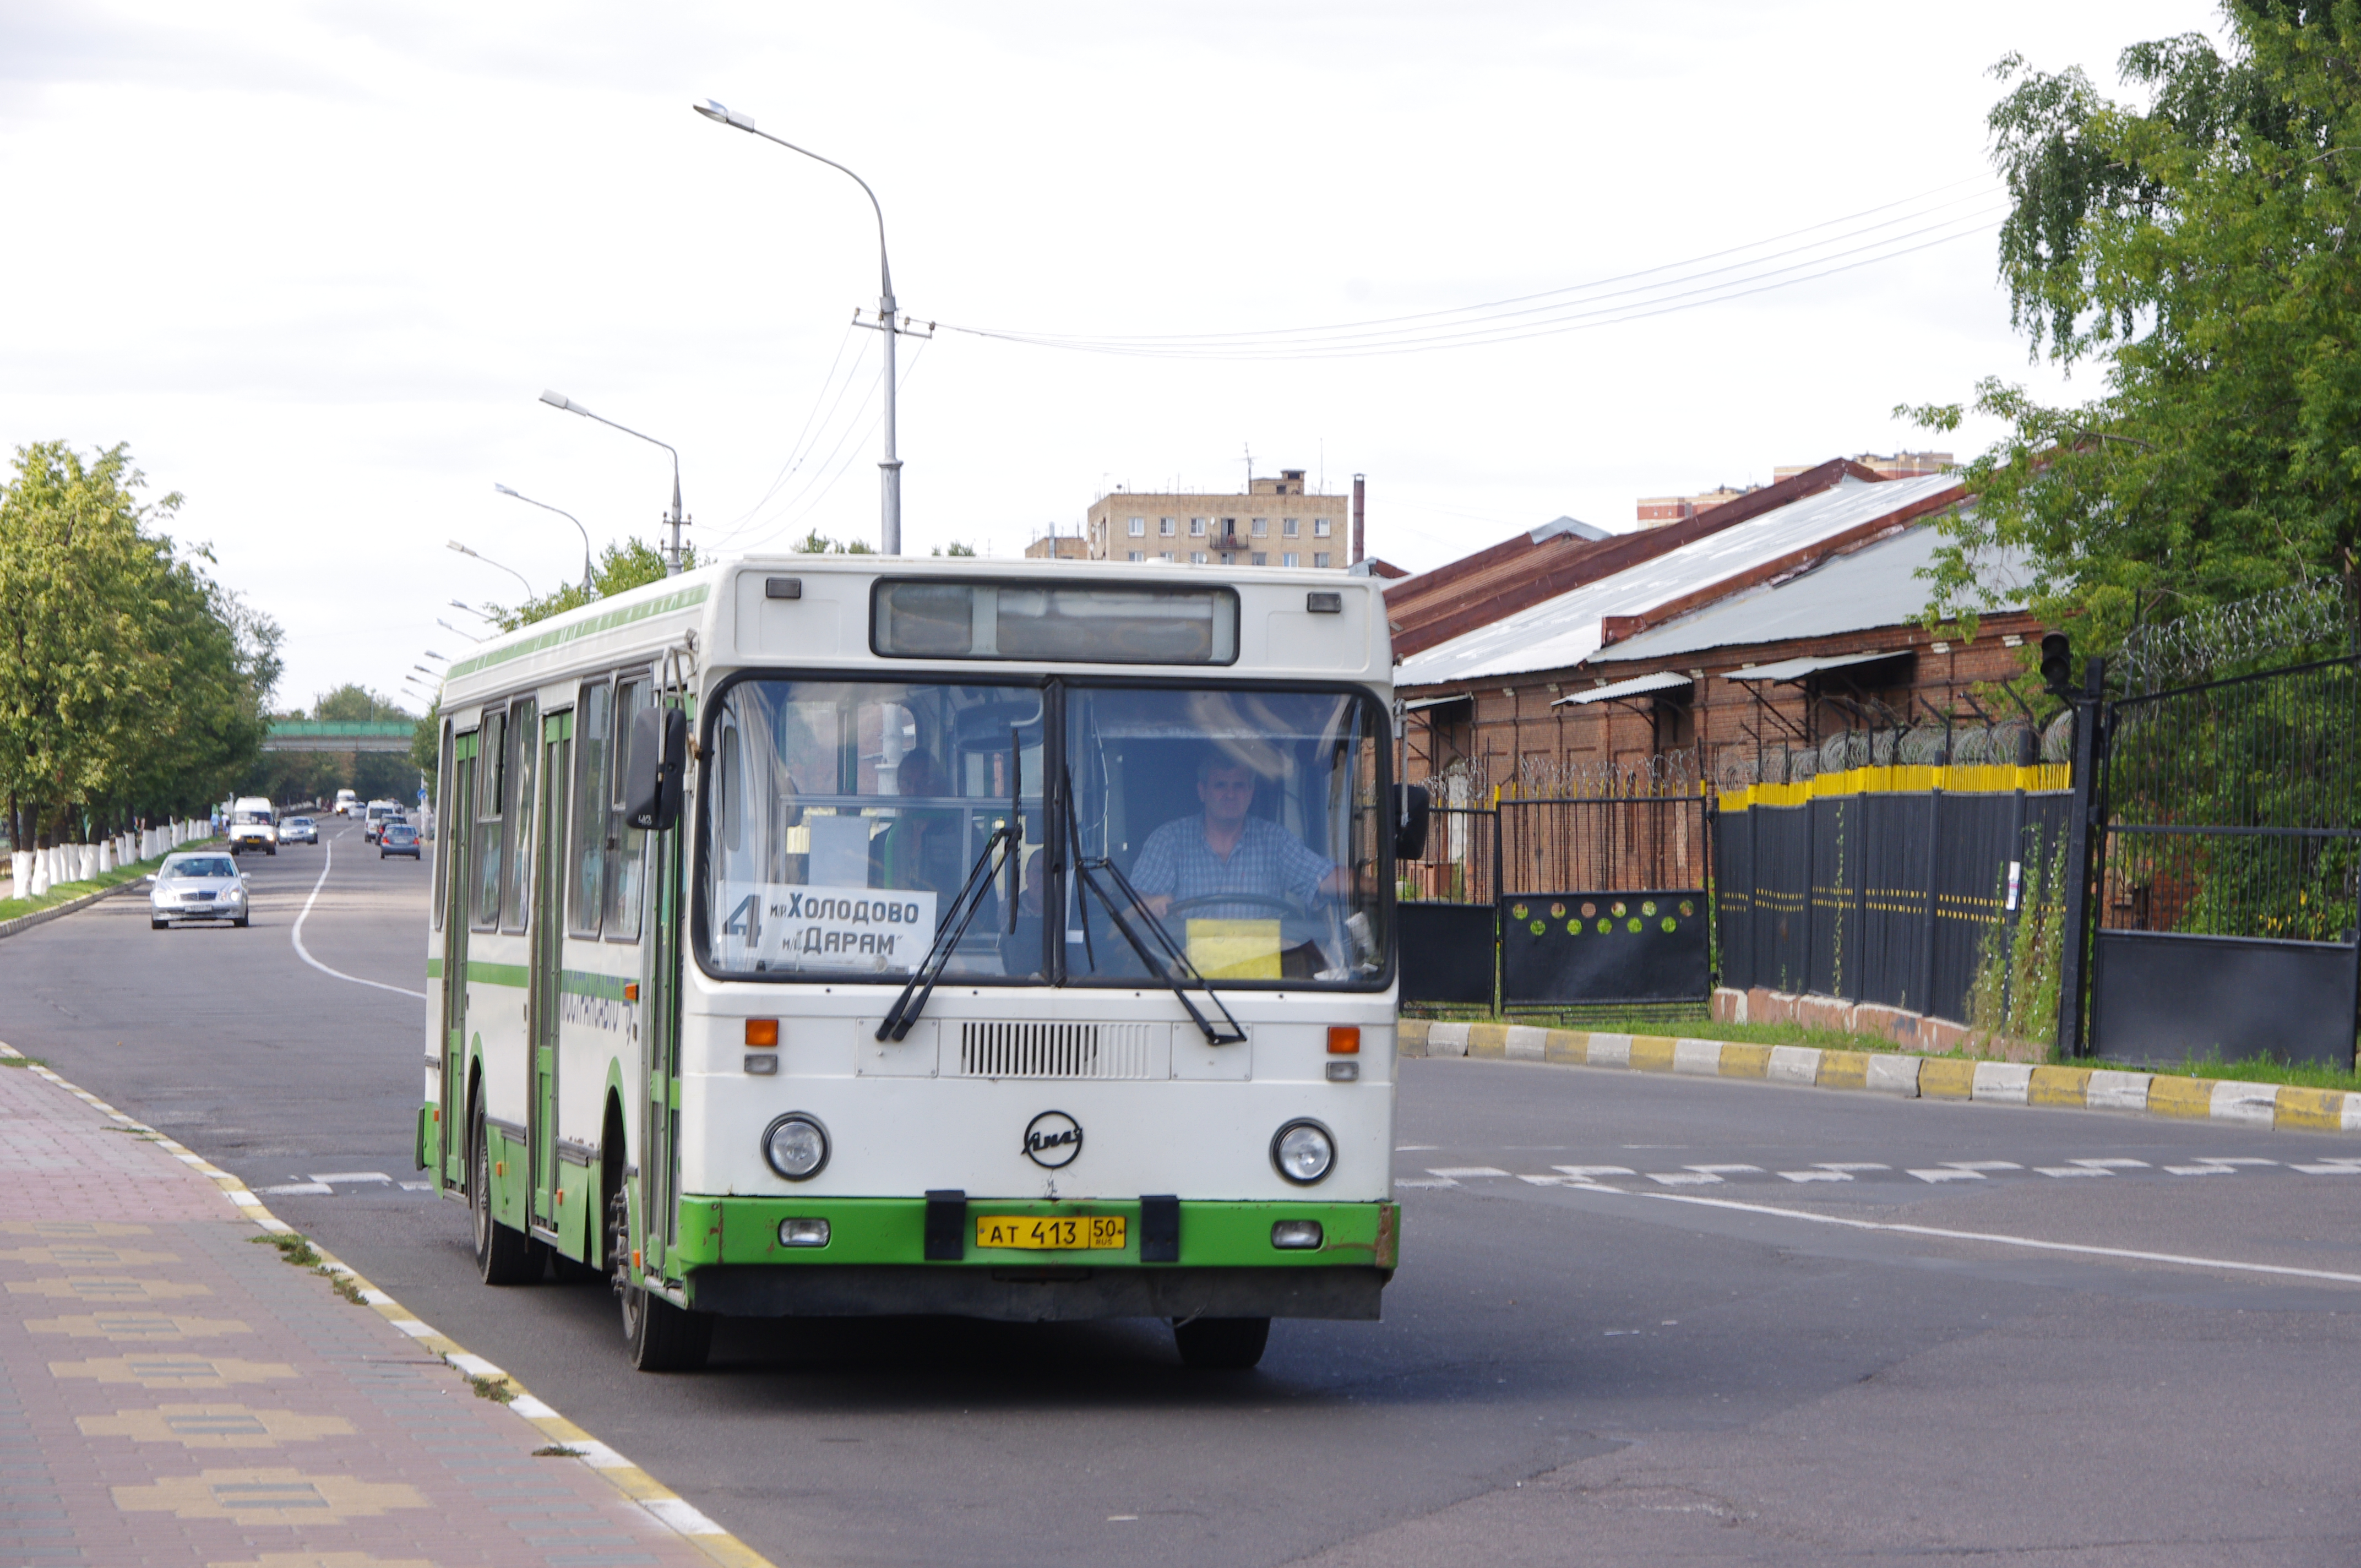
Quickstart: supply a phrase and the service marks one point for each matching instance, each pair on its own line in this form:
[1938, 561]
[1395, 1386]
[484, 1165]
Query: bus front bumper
[876, 1262]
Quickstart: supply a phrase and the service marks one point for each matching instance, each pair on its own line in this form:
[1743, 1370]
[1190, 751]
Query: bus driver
[1226, 850]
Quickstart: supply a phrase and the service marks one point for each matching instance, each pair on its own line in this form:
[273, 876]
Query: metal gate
[1603, 900]
[1450, 899]
[2222, 827]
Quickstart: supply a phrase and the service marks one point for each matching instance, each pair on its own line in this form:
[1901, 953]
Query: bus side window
[516, 800]
[490, 752]
[586, 887]
[626, 847]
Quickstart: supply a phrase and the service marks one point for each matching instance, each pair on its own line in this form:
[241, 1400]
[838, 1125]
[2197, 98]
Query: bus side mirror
[1409, 822]
[652, 779]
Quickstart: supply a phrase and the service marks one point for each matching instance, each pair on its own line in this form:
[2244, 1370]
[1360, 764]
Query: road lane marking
[2071, 1170]
[1454, 1172]
[327, 859]
[1947, 1174]
[1938, 1233]
[1816, 1175]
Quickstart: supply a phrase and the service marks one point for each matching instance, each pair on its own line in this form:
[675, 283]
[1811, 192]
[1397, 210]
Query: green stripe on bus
[893, 1230]
[588, 983]
[589, 626]
[482, 973]
[434, 969]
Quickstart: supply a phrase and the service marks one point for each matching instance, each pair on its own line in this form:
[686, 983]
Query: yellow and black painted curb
[2275, 1106]
[670, 1509]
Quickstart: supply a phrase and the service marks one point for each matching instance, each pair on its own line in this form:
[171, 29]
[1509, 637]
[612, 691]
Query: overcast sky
[315, 262]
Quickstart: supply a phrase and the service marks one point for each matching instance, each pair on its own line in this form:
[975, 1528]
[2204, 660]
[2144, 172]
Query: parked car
[299, 830]
[397, 838]
[204, 885]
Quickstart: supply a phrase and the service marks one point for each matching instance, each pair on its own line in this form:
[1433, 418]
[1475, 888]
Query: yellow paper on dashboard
[1235, 950]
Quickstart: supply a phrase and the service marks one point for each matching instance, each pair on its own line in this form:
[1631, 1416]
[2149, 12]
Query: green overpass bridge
[337, 735]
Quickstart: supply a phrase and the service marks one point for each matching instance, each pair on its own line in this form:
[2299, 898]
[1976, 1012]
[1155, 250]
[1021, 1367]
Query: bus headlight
[1304, 1152]
[796, 1146]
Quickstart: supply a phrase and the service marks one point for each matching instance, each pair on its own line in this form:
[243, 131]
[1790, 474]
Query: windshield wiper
[969, 898]
[1174, 968]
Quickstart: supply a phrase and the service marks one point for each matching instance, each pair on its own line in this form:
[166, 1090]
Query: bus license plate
[1043, 1232]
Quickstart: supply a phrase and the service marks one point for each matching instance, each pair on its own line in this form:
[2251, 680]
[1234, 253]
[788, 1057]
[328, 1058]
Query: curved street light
[487, 561]
[888, 318]
[560, 401]
[455, 632]
[587, 587]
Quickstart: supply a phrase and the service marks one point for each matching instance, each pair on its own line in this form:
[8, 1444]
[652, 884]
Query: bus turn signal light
[763, 1032]
[1344, 1040]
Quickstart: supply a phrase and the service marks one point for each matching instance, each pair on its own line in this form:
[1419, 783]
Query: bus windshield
[845, 818]
[1244, 821]
[842, 819]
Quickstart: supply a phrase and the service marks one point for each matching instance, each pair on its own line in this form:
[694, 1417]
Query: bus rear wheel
[503, 1256]
[1221, 1344]
[659, 1336]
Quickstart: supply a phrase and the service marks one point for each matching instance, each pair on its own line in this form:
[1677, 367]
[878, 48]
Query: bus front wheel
[1221, 1344]
[660, 1336]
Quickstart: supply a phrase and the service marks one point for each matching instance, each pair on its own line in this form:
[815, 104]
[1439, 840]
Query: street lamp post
[487, 561]
[569, 517]
[560, 401]
[888, 321]
[455, 632]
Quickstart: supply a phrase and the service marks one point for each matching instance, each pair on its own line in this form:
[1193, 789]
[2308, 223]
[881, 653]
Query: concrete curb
[668, 1508]
[2280, 1106]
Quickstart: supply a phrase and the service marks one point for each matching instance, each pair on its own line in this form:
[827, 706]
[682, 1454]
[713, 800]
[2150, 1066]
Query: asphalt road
[1750, 1324]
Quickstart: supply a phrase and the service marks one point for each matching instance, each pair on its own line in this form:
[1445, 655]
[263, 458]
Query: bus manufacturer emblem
[1052, 1140]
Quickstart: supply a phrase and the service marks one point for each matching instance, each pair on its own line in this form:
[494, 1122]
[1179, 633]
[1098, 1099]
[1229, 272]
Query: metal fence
[2229, 825]
[1877, 895]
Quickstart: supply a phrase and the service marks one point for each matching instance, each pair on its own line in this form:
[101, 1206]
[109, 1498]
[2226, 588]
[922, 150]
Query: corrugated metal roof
[1662, 680]
[1789, 669]
[1875, 586]
[1563, 631]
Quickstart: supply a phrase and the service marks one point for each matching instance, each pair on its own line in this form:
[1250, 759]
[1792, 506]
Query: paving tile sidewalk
[173, 1393]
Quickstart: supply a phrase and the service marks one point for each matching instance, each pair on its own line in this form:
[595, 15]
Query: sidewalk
[173, 1393]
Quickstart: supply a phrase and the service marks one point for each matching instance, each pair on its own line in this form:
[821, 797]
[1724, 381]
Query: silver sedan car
[299, 830]
[205, 885]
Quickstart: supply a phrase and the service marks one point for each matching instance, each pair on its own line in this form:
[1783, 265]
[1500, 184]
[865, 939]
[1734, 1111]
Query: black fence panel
[1589, 948]
[1897, 859]
[1447, 952]
[2168, 997]
[1783, 882]
[1462, 861]
[1971, 859]
[1614, 843]
[1835, 955]
[1733, 895]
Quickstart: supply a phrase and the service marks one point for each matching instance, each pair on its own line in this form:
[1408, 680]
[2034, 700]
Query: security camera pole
[888, 320]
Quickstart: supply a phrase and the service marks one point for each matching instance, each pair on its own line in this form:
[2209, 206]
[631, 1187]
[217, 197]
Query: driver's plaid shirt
[1267, 862]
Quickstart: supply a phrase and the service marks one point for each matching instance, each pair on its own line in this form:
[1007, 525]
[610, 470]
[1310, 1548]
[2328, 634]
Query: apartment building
[1276, 522]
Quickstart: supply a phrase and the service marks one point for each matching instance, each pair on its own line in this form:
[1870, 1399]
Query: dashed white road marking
[1590, 1170]
[1725, 1169]
[2072, 1170]
[1948, 1173]
[1816, 1175]
[1847, 1166]
[2200, 1170]
[2330, 1169]
[2234, 1159]
[351, 1176]
[1980, 1165]
[301, 1189]
[1417, 1181]
[1454, 1172]
[2112, 1164]
[1685, 1178]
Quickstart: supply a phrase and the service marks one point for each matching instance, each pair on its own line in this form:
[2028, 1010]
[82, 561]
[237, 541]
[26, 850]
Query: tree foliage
[2196, 248]
[133, 684]
[620, 568]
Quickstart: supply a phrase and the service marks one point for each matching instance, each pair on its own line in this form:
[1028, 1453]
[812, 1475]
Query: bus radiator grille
[1056, 1050]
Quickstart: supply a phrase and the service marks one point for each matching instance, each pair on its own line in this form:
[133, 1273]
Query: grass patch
[341, 1284]
[498, 1390]
[292, 1248]
[22, 1061]
[560, 1451]
[2264, 1069]
[66, 893]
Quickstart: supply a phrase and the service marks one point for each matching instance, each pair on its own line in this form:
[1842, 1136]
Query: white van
[253, 825]
[348, 804]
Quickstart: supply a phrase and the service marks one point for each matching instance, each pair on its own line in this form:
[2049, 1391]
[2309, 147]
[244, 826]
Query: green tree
[133, 682]
[620, 568]
[2195, 248]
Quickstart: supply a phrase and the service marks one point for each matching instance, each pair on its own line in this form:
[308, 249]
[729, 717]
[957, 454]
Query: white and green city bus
[742, 992]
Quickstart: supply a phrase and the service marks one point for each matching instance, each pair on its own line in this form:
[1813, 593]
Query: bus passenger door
[545, 986]
[454, 842]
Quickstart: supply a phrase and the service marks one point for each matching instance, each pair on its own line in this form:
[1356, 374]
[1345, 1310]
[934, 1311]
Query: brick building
[1740, 652]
